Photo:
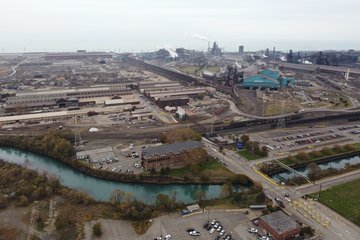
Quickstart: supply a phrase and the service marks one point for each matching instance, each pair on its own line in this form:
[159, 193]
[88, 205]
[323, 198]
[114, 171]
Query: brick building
[167, 155]
[279, 225]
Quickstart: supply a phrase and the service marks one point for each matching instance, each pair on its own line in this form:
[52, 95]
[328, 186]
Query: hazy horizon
[139, 25]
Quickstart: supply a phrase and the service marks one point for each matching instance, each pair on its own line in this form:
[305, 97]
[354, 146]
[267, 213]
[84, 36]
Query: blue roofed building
[267, 79]
[270, 73]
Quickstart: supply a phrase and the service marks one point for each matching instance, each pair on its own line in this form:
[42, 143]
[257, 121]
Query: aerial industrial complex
[283, 119]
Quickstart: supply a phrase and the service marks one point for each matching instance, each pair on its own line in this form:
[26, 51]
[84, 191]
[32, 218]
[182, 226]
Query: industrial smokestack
[202, 38]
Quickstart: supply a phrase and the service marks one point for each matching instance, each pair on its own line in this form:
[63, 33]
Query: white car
[194, 233]
[253, 230]
[213, 222]
[222, 232]
[212, 230]
[167, 237]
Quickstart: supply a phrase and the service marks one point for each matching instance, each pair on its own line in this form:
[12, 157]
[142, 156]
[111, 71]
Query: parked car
[194, 233]
[252, 230]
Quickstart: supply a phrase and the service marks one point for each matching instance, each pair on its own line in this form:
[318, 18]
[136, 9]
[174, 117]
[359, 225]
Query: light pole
[208, 212]
[160, 229]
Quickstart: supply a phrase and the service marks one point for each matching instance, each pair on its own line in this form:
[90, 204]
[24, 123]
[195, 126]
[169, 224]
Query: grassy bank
[189, 69]
[303, 157]
[311, 160]
[249, 156]
[209, 169]
[344, 199]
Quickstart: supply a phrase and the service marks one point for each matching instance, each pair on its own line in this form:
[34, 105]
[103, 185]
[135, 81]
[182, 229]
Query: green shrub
[97, 229]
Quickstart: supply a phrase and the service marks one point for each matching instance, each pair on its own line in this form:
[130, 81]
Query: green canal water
[100, 189]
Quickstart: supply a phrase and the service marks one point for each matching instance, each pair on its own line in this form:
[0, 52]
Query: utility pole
[208, 210]
[160, 229]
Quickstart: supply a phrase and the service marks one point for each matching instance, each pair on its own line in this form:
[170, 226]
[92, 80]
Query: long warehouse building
[25, 101]
[76, 55]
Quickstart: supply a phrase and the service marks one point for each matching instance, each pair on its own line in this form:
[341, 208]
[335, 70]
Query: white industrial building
[96, 155]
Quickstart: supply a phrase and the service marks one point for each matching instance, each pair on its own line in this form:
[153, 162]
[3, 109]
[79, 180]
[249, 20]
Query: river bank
[55, 145]
[21, 186]
[325, 159]
[318, 168]
[99, 188]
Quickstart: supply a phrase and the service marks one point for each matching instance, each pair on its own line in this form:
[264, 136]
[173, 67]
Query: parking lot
[282, 141]
[128, 159]
[235, 223]
[306, 139]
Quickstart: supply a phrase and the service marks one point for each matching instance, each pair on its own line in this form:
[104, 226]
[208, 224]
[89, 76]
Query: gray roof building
[280, 222]
[166, 149]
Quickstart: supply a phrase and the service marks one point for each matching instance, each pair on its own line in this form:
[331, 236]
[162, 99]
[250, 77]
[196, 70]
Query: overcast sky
[143, 25]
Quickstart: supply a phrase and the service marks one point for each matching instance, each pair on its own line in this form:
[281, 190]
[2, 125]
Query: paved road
[14, 68]
[311, 213]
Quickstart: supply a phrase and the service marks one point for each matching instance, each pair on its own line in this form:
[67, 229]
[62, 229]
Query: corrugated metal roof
[259, 80]
[270, 73]
[168, 98]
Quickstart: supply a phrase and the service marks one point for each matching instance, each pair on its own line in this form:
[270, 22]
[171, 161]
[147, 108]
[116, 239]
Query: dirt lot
[14, 221]
[234, 222]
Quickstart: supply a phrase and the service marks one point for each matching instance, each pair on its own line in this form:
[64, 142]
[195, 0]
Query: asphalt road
[309, 212]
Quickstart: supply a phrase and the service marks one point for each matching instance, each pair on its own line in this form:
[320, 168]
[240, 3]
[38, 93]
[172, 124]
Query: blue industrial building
[267, 79]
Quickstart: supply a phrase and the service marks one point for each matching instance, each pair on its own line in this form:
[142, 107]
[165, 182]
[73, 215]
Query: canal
[336, 164]
[100, 189]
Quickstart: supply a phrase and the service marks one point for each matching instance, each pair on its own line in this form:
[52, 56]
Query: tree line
[254, 147]
[55, 144]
